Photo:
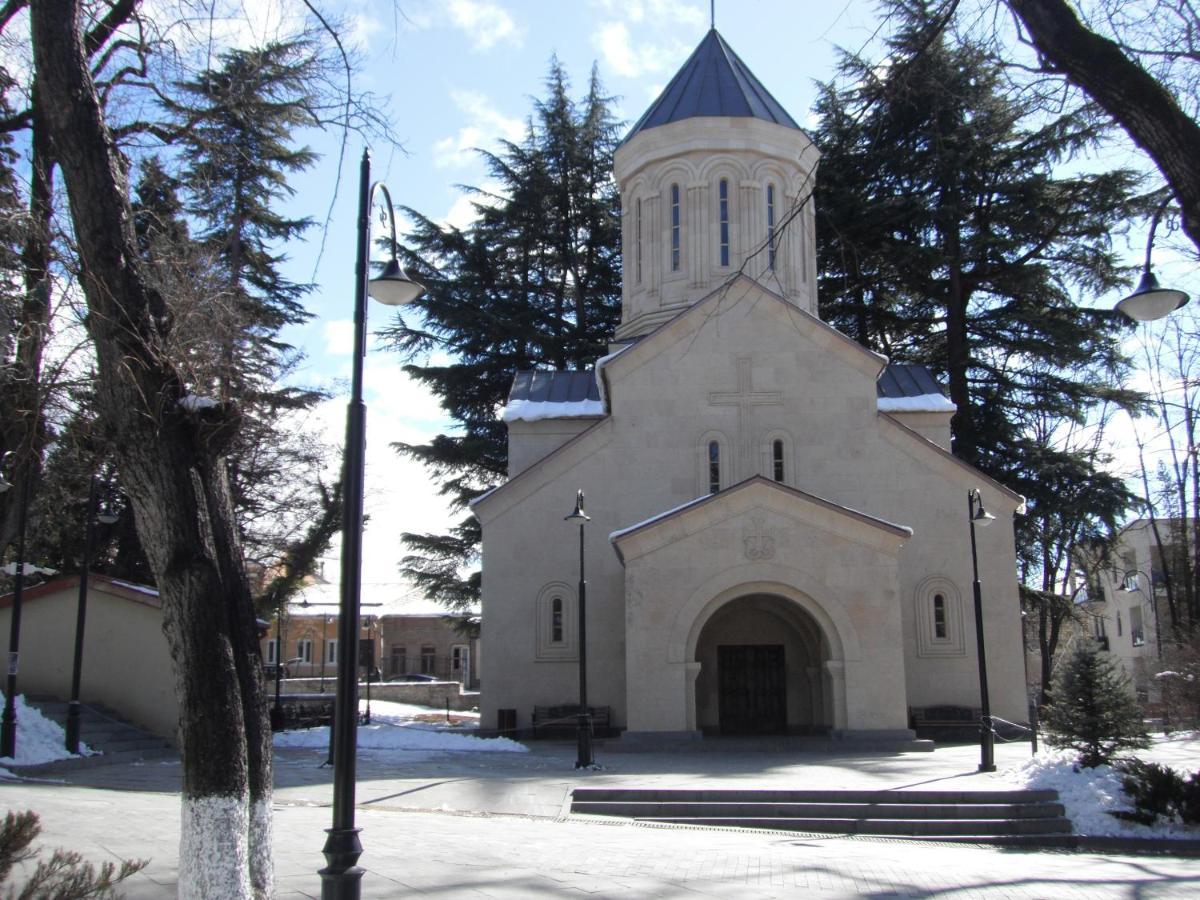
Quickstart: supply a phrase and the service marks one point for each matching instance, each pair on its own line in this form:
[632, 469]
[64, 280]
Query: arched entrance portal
[762, 662]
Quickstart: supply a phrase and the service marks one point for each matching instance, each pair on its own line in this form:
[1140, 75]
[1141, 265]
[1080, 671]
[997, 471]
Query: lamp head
[980, 515]
[5, 484]
[107, 517]
[578, 516]
[393, 286]
[1149, 301]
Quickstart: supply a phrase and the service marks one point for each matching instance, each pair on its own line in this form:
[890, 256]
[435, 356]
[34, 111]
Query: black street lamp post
[8, 722]
[104, 516]
[987, 756]
[341, 879]
[583, 757]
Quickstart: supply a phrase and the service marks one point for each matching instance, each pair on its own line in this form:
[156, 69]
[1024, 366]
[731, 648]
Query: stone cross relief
[758, 541]
[745, 398]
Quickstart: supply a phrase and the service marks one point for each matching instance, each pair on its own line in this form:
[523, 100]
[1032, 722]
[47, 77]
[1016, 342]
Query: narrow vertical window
[271, 650]
[714, 467]
[771, 227]
[939, 617]
[304, 650]
[638, 242]
[556, 621]
[777, 459]
[674, 228]
[331, 650]
[723, 215]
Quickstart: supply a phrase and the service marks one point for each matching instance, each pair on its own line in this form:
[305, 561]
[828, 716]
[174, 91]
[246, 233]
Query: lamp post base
[341, 879]
[73, 727]
[987, 746]
[583, 757]
[8, 729]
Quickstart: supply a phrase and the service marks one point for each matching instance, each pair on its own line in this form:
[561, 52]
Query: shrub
[65, 876]
[1158, 790]
[1093, 710]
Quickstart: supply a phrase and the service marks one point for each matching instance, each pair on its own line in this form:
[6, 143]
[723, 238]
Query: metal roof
[713, 82]
[554, 387]
[906, 380]
[539, 386]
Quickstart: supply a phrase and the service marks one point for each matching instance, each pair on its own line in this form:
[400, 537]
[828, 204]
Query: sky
[455, 75]
[460, 75]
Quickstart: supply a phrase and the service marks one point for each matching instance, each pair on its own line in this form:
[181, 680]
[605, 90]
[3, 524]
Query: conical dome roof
[713, 82]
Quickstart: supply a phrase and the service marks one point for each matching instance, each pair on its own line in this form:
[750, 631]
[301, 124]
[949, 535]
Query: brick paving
[463, 825]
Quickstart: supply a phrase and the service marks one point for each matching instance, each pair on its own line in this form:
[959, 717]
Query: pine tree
[1093, 710]
[533, 282]
[949, 235]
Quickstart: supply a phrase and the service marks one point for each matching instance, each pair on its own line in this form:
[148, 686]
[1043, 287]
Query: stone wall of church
[705, 198]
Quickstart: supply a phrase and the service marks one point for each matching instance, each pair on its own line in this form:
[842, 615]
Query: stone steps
[117, 740]
[1007, 817]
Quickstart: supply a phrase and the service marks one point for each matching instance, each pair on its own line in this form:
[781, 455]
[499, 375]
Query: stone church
[779, 534]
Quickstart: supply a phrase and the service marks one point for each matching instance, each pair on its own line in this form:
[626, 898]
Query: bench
[945, 723]
[564, 719]
[301, 711]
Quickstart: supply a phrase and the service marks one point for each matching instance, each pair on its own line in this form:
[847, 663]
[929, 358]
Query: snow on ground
[1089, 794]
[39, 740]
[399, 726]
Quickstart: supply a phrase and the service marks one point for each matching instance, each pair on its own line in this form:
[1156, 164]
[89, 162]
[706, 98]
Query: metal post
[583, 757]
[72, 742]
[987, 761]
[341, 879]
[277, 709]
[8, 722]
[324, 646]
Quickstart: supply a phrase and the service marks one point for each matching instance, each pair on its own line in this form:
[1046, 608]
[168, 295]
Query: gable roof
[713, 82]
[757, 482]
[553, 394]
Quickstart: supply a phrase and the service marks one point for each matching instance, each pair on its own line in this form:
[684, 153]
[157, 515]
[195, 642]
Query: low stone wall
[419, 693]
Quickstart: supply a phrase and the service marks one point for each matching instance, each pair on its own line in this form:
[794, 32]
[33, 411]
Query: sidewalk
[484, 825]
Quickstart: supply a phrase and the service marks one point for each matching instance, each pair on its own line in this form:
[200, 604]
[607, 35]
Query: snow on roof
[919, 403]
[533, 410]
[654, 518]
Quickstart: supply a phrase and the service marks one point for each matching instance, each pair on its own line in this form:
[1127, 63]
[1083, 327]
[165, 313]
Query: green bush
[1160, 791]
[1093, 710]
[65, 876]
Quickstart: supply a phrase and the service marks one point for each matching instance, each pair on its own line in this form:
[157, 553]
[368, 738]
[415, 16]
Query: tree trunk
[1128, 93]
[172, 464]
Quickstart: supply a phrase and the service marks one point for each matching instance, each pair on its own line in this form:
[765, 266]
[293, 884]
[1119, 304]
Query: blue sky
[462, 74]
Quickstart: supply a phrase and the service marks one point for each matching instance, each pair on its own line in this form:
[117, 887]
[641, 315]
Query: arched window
[939, 618]
[638, 241]
[674, 228]
[777, 459]
[771, 227]
[940, 631]
[723, 217]
[714, 467]
[556, 620]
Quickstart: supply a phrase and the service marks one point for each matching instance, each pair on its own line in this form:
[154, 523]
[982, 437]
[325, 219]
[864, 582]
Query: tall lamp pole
[583, 757]
[8, 722]
[341, 879]
[987, 755]
[104, 516]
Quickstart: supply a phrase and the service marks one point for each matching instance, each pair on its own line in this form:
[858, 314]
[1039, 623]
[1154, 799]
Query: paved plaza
[491, 825]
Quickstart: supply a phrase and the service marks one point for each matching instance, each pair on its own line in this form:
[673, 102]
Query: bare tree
[170, 446]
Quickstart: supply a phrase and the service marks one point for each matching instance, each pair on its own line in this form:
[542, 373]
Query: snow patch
[533, 410]
[195, 403]
[39, 740]
[140, 588]
[1089, 795]
[920, 403]
[662, 515]
[394, 726]
[212, 849]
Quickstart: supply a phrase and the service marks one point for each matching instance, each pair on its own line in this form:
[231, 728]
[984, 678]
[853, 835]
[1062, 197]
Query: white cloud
[462, 213]
[339, 337]
[658, 12]
[485, 125]
[631, 60]
[484, 22]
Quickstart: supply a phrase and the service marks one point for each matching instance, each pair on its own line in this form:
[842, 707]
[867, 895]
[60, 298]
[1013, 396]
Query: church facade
[779, 533]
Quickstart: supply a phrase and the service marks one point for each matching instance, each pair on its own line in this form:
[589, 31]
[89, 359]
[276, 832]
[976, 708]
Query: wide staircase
[113, 739]
[997, 817]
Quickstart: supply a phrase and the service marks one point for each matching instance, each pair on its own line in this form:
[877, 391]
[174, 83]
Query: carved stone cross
[745, 398]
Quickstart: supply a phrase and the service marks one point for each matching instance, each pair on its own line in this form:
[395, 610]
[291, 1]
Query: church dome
[716, 180]
[713, 82]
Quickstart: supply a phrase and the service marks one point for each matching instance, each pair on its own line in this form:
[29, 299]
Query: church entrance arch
[762, 669]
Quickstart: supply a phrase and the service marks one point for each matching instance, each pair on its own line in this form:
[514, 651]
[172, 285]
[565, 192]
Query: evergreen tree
[949, 236]
[1093, 710]
[533, 282]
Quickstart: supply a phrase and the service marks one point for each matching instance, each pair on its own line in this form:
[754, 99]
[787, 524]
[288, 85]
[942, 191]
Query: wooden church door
[752, 692]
